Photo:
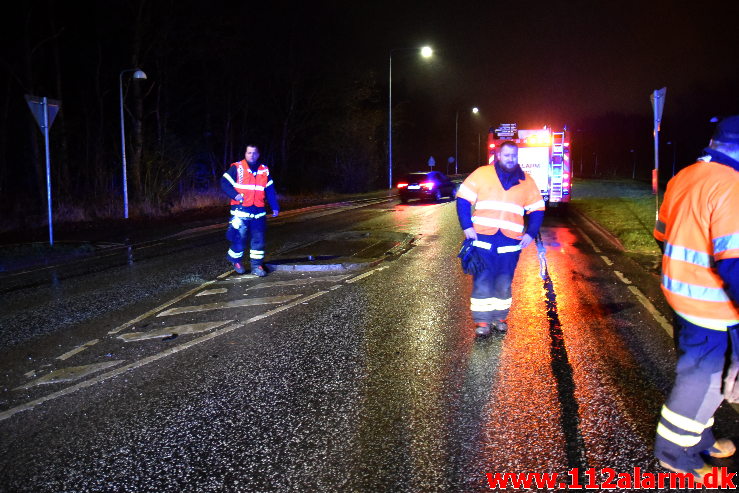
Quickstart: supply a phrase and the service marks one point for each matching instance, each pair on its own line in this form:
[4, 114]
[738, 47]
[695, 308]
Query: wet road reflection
[379, 384]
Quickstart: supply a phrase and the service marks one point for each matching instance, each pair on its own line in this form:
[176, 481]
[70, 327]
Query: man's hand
[526, 241]
[275, 213]
[239, 198]
[470, 234]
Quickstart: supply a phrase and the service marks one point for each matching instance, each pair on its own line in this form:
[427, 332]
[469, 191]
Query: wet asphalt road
[366, 380]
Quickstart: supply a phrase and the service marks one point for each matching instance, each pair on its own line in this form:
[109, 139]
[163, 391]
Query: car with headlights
[426, 185]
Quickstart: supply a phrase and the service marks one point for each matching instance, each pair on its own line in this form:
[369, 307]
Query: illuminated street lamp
[426, 52]
[137, 74]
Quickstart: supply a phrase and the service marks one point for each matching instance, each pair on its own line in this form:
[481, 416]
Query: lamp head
[139, 74]
[426, 52]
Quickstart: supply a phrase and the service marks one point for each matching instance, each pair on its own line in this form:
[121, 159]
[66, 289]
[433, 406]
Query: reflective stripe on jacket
[496, 208]
[699, 225]
[250, 185]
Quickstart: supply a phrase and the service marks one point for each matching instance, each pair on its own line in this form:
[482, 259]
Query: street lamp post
[674, 146]
[137, 74]
[479, 158]
[426, 52]
[456, 143]
[475, 110]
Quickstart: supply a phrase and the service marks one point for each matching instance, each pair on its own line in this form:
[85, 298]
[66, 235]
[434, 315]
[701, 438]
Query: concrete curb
[607, 235]
[339, 263]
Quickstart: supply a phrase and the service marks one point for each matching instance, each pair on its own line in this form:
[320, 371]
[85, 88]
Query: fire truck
[542, 153]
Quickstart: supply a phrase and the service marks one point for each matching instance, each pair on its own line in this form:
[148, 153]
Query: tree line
[219, 75]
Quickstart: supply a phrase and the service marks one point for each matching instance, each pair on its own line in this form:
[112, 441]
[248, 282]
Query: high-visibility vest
[496, 208]
[250, 185]
[699, 225]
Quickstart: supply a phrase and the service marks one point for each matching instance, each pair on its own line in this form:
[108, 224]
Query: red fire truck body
[542, 153]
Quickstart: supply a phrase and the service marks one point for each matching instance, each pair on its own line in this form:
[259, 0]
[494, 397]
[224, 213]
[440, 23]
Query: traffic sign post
[658, 105]
[44, 111]
[432, 162]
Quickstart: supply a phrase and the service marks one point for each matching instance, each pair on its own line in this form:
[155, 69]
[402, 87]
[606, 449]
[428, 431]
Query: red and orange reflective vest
[497, 208]
[699, 225]
[248, 184]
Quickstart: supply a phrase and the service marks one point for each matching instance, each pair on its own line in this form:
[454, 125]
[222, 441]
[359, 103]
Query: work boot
[722, 448]
[239, 267]
[258, 271]
[500, 325]
[482, 329]
[698, 474]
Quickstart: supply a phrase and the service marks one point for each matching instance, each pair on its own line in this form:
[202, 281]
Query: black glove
[731, 379]
[472, 263]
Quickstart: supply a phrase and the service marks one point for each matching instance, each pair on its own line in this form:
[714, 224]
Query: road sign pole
[44, 110]
[658, 105]
[48, 170]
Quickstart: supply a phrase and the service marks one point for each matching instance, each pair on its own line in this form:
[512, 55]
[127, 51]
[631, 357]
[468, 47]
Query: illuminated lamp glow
[402, 185]
[429, 185]
[492, 146]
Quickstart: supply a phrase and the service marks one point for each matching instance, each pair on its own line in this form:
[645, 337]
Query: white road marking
[159, 308]
[78, 349]
[69, 374]
[366, 274]
[587, 238]
[221, 305]
[653, 310]
[622, 277]
[299, 282]
[664, 323]
[152, 358]
[285, 307]
[169, 331]
[209, 292]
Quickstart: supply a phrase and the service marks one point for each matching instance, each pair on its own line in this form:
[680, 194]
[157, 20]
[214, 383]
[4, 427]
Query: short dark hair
[251, 145]
[508, 143]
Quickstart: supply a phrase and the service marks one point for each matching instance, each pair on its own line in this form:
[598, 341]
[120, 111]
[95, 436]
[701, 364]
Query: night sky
[590, 65]
[558, 62]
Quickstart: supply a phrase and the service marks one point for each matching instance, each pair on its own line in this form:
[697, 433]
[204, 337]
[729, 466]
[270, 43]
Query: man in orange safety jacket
[247, 183]
[698, 232]
[502, 194]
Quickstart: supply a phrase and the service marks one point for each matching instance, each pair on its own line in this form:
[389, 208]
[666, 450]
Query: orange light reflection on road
[606, 374]
[524, 407]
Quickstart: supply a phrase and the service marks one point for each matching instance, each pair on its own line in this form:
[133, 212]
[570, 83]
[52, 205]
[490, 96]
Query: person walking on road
[698, 232]
[501, 195]
[247, 183]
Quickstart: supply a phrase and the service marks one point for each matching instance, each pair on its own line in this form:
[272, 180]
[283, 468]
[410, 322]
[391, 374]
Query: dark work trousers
[242, 231]
[491, 288]
[684, 429]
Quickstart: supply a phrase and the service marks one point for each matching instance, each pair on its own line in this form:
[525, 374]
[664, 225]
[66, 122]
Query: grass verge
[626, 208]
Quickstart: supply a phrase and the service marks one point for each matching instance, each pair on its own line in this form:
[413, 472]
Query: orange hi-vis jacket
[699, 225]
[497, 208]
[250, 185]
